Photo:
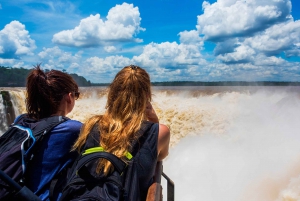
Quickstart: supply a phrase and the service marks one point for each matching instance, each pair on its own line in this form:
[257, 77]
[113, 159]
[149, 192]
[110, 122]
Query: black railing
[155, 190]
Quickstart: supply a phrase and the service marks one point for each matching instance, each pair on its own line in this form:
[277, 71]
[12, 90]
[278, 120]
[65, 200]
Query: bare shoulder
[163, 141]
[164, 131]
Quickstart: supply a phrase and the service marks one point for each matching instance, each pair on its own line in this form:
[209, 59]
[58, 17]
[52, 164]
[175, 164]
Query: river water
[227, 143]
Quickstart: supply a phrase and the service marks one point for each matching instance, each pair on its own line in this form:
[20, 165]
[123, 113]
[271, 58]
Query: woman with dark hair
[51, 94]
[128, 113]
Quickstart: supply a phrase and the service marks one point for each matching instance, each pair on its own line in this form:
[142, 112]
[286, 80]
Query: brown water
[227, 144]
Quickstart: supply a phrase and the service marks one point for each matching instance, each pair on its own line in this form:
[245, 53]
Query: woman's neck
[59, 113]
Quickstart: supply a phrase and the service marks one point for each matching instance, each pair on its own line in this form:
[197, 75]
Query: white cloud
[249, 35]
[294, 50]
[165, 61]
[241, 54]
[263, 61]
[159, 59]
[55, 58]
[15, 41]
[283, 37]
[277, 38]
[190, 37]
[11, 62]
[107, 64]
[169, 55]
[122, 24]
[110, 48]
[103, 70]
[229, 18]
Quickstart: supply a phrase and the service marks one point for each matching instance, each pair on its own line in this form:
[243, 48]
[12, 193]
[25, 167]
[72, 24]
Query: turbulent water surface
[227, 144]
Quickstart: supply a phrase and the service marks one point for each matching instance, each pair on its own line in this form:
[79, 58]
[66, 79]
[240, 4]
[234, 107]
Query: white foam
[229, 145]
[256, 158]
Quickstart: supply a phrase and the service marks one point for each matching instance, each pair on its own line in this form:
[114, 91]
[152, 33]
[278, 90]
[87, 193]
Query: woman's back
[51, 93]
[146, 159]
[128, 110]
[145, 153]
[52, 156]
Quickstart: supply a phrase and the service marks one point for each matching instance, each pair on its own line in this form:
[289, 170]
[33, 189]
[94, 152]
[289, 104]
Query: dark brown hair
[46, 90]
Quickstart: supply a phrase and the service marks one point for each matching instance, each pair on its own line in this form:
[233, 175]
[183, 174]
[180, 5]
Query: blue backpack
[18, 146]
[85, 184]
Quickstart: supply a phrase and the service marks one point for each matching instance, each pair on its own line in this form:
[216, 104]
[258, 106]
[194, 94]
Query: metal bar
[155, 190]
[158, 172]
[170, 188]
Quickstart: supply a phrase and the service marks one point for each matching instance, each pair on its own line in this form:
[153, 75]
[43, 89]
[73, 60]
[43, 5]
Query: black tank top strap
[93, 139]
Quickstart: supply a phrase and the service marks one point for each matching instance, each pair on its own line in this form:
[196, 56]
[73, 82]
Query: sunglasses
[76, 95]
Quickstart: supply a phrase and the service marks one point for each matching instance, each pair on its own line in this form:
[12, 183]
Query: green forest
[16, 77]
[226, 83]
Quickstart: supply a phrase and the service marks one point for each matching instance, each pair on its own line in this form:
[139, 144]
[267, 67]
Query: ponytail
[46, 90]
[38, 95]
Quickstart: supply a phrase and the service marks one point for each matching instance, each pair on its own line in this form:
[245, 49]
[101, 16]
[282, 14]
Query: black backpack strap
[47, 124]
[19, 118]
[93, 140]
[58, 182]
[117, 163]
[146, 126]
[44, 127]
[39, 130]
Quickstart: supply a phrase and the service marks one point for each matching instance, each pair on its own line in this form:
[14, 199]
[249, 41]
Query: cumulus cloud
[283, 37]
[11, 62]
[190, 37]
[294, 51]
[164, 61]
[110, 48]
[55, 58]
[172, 61]
[247, 30]
[103, 70]
[108, 64]
[169, 55]
[122, 24]
[228, 18]
[277, 38]
[241, 54]
[15, 41]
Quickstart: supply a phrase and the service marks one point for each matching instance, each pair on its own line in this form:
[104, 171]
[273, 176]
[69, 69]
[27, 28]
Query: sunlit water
[227, 144]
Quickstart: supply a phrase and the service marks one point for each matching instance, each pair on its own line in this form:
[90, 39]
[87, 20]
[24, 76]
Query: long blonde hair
[125, 111]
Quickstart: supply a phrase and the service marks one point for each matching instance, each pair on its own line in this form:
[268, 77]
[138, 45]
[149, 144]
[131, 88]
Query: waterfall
[3, 121]
[227, 143]
[7, 111]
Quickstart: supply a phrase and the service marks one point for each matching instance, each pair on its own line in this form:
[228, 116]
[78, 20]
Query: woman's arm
[163, 135]
[163, 142]
[150, 113]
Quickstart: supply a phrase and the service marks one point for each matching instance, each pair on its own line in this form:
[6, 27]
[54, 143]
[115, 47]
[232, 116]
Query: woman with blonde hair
[128, 117]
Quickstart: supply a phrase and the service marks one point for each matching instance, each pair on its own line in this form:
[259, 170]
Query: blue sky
[193, 40]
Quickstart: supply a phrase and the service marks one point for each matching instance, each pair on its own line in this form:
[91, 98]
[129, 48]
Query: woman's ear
[68, 97]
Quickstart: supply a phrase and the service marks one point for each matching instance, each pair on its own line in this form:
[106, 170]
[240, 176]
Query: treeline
[16, 77]
[221, 83]
[226, 83]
